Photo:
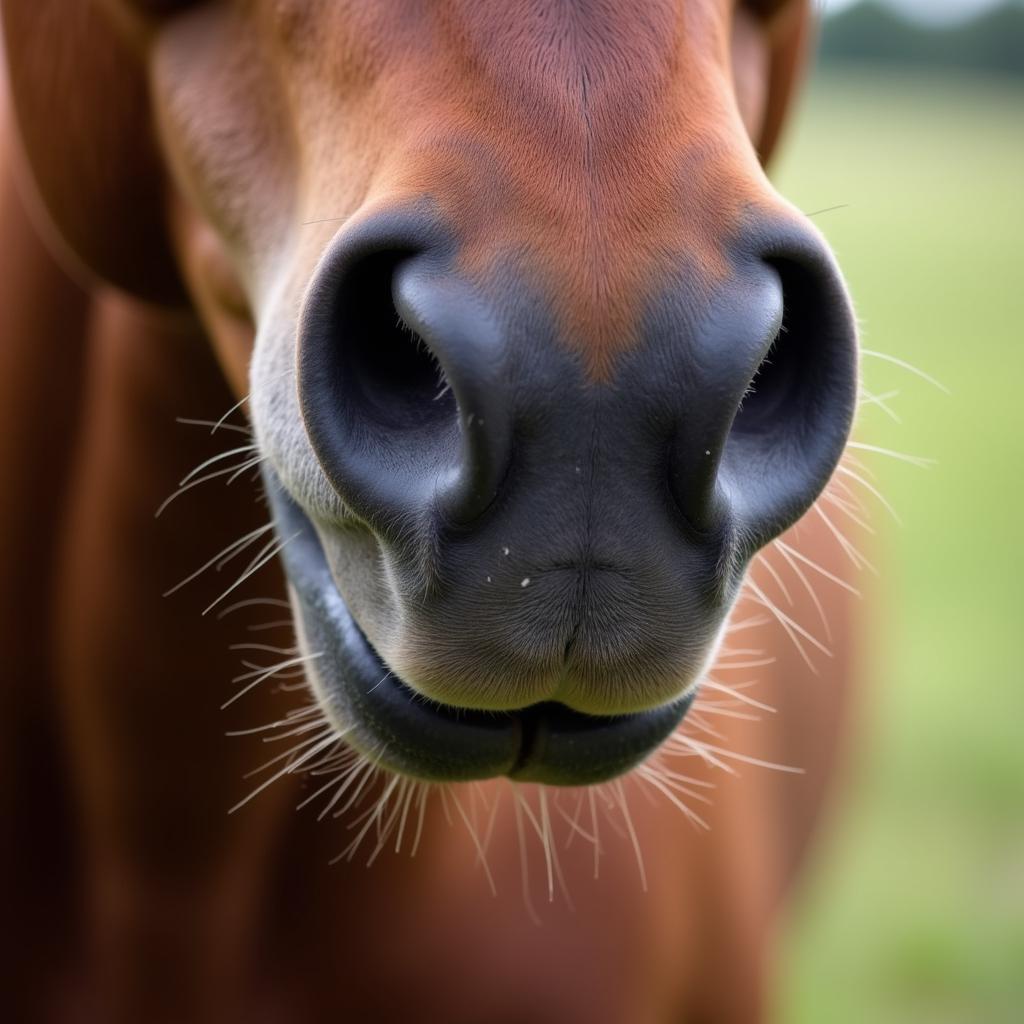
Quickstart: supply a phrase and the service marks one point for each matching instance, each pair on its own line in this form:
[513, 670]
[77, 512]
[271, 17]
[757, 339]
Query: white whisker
[717, 755]
[276, 624]
[410, 793]
[649, 776]
[848, 549]
[237, 428]
[737, 694]
[620, 795]
[250, 464]
[318, 744]
[324, 730]
[267, 674]
[871, 489]
[734, 666]
[262, 647]
[792, 628]
[524, 868]
[198, 481]
[867, 398]
[273, 601]
[802, 577]
[248, 448]
[751, 622]
[371, 818]
[270, 551]
[821, 570]
[292, 718]
[227, 553]
[480, 852]
[370, 772]
[425, 791]
[914, 460]
[343, 772]
[596, 828]
[848, 509]
[723, 710]
[762, 560]
[573, 821]
[221, 422]
[386, 826]
[909, 367]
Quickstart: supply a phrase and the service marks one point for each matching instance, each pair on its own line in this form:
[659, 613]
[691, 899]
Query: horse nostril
[766, 401]
[394, 380]
[794, 416]
[397, 379]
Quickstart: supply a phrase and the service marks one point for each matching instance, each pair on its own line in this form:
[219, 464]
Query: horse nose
[411, 393]
[401, 378]
[768, 388]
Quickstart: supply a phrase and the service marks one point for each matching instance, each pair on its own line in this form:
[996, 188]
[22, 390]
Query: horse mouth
[405, 732]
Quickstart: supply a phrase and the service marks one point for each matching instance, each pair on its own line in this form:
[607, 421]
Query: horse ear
[81, 104]
[790, 33]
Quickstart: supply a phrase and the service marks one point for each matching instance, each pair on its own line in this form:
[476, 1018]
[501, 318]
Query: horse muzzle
[536, 562]
[403, 731]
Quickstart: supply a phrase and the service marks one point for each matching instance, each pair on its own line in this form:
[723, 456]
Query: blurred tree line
[869, 33]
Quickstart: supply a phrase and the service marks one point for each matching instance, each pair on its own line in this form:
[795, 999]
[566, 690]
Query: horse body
[135, 896]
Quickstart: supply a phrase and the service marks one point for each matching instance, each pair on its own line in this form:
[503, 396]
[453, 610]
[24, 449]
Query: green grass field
[913, 910]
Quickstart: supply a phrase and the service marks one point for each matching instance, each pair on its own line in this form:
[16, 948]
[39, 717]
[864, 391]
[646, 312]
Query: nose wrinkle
[587, 481]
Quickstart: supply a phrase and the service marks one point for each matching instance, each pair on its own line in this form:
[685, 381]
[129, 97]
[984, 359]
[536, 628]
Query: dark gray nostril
[793, 423]
[399, 385]
[469, 346]
[391, 375]
[726, 350]
[773, 399]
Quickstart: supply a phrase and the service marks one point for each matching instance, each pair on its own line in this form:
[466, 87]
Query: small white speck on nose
[504, 551]
[707, 451]
[488, 579]
[526, 582]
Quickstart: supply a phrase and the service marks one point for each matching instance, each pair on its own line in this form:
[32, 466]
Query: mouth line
[405, 732]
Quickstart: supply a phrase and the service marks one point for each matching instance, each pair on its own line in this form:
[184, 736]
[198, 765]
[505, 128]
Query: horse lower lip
[405, 732]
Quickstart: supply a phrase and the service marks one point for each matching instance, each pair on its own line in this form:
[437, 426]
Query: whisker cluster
[383, 810]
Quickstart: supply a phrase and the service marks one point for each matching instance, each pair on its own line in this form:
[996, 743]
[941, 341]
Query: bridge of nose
[596, 268]
[584, 486]
[690, 353]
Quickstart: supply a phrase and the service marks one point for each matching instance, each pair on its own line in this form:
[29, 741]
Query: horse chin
[403, 731]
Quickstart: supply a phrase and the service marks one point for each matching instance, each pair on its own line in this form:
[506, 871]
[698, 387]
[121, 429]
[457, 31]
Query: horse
[526, 389]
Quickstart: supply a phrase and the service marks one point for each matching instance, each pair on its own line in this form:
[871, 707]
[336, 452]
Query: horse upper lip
[403, 731]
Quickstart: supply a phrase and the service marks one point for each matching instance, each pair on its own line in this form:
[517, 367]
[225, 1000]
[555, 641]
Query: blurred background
[910, 143]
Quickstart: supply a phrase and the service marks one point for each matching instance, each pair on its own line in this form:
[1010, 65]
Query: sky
[934, 11]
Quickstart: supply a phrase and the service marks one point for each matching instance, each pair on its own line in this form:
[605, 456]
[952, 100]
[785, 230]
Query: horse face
[538, 360]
